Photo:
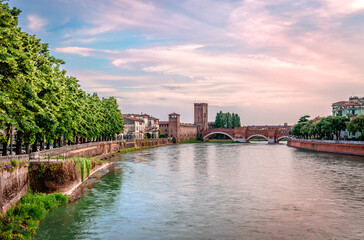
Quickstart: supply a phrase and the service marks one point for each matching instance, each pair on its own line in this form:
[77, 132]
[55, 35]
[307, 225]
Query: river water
[219, 191]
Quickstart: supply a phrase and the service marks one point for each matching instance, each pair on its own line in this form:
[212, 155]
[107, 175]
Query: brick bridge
[244, 134]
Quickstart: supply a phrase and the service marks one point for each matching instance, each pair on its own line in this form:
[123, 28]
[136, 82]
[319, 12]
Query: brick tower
[201, 116]
[174, 125]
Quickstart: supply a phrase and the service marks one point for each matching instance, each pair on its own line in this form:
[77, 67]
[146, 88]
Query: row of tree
[328, 127]
[38, 100]
[227, 120]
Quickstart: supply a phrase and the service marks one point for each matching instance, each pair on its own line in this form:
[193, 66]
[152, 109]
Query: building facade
[186, 131]
[351, 108]
[133, 127]
[149, 128]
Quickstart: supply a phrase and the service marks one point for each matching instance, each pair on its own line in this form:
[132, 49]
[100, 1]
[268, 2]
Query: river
[219, 191]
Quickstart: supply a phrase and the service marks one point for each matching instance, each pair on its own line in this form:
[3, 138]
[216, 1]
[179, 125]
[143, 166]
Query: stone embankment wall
[111, 147]
[331, 147]
[61, 177]
[13, 185]
[54, 175]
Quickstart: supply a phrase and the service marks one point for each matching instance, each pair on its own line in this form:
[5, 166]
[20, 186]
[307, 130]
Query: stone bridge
[244, 134]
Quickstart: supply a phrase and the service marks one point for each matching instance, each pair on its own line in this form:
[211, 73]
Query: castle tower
[201, 116]
[174, 125]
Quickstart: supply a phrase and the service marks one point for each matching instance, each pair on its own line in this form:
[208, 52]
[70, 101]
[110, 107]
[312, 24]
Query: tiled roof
[134, 119]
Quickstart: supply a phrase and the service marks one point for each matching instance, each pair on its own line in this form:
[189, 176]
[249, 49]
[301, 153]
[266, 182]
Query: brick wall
[342, 148]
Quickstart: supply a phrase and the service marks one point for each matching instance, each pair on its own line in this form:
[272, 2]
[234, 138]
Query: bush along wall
[22, 220]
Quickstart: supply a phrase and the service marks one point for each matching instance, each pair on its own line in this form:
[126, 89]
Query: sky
[269, 61]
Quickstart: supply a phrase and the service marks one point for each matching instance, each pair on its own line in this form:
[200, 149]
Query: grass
[22, 220]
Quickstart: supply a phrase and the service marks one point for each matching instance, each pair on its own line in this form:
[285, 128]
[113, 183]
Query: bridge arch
[256, 135]
[283, 137]
[212, 133]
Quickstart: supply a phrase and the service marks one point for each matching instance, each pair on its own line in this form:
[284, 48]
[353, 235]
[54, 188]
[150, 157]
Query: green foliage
[84, 165]
[39, 100]
[163, 135]
[14, 165]
[303, 119]
[327, 127]
[356, 124]
[22, 220]
[227, 120]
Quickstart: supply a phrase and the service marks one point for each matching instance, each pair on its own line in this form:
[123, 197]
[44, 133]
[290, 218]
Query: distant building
[133, 127]
[150, 125]
[175, 129]
[201, 116]
[186, 131]
[351, 108]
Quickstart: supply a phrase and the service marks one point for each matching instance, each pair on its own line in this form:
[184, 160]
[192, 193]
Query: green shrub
[22, 220]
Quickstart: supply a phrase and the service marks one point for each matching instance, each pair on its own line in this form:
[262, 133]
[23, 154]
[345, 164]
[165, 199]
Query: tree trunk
[5, 149]
[60, 142]
[48, 145]
[34, 147]
[27, 148]
[19, 143]
[41, 146]
[8, 132]
[55, 143]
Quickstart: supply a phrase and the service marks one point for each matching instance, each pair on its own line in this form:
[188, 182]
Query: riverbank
[71, 178]
[340, 147]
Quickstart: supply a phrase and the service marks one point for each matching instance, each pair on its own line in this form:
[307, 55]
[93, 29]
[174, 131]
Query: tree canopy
[227, 120]
[39, 100]
[328, 127]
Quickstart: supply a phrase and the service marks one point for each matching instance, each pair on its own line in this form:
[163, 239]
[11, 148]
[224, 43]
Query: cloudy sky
[269, 61]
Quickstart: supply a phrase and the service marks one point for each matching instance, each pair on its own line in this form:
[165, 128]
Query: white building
[133, 128]
[351, 108]
[139, 126]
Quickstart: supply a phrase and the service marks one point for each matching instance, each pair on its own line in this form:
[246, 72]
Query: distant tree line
[227, 120]
[328, 127]
[39, 101]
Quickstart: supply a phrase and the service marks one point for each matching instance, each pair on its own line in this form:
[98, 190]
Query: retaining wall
[331, 147]
[13, 185]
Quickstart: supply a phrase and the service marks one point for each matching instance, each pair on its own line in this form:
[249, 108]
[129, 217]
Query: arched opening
[257, 137]
[284, 138]
[217, 133]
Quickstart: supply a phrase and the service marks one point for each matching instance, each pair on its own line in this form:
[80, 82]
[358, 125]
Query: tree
[227, 120]
[39, 100]
[303, 119]
[356, 124]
